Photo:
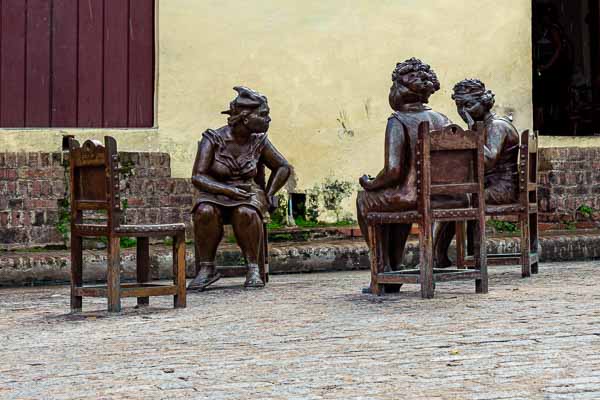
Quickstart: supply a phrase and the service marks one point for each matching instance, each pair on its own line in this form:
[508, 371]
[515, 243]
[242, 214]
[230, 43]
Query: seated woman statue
[501, 152]
[226, 166]
[394, 188]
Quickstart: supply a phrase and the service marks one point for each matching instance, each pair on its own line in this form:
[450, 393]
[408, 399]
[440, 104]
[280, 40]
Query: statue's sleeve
[204, 156]
[395, 145]
[395, 156]
[271, 157]
[493, 145]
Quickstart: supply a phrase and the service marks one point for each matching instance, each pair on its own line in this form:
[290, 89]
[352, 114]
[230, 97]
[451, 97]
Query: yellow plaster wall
[321, 63]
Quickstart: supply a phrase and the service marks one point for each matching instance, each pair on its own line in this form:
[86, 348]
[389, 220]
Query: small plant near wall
[503, 226]
[125, 242]
[63, 225]
[312, 205]
[585, 211]
[570, 226]
[333, 192]
[325, 196]
[126, 169]
[279, 215]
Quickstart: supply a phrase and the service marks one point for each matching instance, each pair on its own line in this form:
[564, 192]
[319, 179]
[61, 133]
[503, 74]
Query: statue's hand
[273, 203]
[365, 182]
[238, 194]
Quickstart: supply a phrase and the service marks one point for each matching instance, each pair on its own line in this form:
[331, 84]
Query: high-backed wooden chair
[458, 159]
[525, 210]
[95, 187]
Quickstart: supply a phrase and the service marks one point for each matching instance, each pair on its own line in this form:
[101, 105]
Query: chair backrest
[450, 161]
[528, 168]
[94, 179]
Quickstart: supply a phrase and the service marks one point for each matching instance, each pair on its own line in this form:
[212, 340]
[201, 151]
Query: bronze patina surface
[474, 103]
[395, 187]
[230, 190]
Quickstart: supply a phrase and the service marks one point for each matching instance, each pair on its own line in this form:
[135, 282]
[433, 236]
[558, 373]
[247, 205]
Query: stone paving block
[313, 336]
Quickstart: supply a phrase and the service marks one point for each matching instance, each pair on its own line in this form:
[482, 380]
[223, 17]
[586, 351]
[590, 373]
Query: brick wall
[153, 197]
[568, 179]
[33, 186]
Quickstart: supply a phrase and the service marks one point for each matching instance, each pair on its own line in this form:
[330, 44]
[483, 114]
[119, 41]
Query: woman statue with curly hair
[226, 167]
[501, 152]
[395, 187]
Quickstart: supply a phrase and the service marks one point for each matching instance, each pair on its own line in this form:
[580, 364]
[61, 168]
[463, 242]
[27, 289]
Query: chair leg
[460, 245]
[76, 272]
[525, 246]
[143, 266]
[534, 241]
[426, 267]
[470, 237]
[179, 300]
[113, 277]
[266, 252]
[263, 265]
[481, 284]
[375, 237]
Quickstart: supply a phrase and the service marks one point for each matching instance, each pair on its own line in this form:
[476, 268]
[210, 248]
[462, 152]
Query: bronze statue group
[230, 161]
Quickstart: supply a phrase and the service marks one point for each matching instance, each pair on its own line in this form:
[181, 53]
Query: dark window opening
[566, 61]
[298, 205]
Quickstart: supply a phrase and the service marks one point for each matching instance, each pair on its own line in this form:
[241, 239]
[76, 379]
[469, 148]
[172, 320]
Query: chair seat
[414, 216]
[454, 214]
[514, 208]
[143, 230]
[393, 217]
[91, 229]
[131, 230]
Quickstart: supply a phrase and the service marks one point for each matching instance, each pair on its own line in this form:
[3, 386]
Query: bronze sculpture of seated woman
[395, 187]
[226, 166]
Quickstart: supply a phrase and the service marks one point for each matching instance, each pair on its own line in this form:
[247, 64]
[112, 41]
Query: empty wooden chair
[458, 159]
[95, 187]
[525, 210]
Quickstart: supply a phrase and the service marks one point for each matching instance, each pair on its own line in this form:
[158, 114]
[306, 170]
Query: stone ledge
[18, 268]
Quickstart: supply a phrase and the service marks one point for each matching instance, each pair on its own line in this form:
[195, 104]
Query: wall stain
[368, 107]
[344, 122]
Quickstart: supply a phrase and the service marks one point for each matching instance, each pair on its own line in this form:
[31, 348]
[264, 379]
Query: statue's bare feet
[253, 277]
[206, 276]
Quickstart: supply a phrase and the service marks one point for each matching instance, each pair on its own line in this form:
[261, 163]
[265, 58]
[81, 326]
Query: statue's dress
[501, 181]
[237, 171]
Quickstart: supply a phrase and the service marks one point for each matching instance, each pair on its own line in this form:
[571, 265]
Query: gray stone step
[26, 268]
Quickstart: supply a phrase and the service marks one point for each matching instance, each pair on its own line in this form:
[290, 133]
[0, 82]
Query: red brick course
[569, 178]
[33, 186]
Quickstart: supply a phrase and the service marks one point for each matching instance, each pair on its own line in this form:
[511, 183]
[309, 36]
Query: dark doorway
[566, 61]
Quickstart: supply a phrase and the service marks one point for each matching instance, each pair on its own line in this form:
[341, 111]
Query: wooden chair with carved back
[95, 188]
[525, 211]
[459, 154]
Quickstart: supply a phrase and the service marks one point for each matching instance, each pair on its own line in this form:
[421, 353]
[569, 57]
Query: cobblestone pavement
[314, 336]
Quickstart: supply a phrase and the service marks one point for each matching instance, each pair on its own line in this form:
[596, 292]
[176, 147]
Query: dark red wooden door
[77, 63]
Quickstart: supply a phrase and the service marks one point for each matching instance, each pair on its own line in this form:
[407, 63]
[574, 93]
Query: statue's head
[473, 100]
[413, 81]
[249, 108]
